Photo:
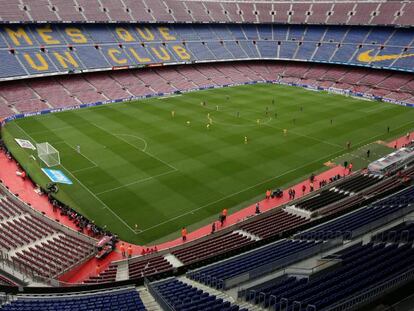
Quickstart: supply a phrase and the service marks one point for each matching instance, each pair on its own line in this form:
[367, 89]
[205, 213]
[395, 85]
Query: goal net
[48, 154]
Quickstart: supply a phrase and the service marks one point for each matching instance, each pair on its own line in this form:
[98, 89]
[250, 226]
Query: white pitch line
[140, 138]
[136, 182]
[278, 128]
[379, 135]
[51, 130]
[170, 96]
[307, 136]
[84, 169]
[235, 193]
[90, 160]
[127, 142]
[86, 188]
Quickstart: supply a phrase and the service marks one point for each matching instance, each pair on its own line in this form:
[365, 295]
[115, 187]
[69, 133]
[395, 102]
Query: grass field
[139, 165]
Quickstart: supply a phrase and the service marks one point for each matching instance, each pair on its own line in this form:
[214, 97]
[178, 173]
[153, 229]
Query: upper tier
[361, 12]
[49, 49]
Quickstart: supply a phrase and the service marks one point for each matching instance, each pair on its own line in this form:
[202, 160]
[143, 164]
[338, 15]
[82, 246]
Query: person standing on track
[223, 215]
[257, 211]
[184, 234]
[122, 248]
[268, 194]
[213, 227]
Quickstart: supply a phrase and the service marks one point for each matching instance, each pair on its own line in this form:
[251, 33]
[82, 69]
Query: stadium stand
[6, 281]
[147, 267]
[34, 243]
[88, 51]
[309, 12]
[402, 233]
[358, 268]
[211, 247]
[256, 263]
[43, 50]
[113, 299]
[177, 295]
[67, 91]
[365, 219]
[274, 224]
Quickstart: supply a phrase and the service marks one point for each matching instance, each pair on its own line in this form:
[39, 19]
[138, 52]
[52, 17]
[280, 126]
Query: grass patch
[139, 165]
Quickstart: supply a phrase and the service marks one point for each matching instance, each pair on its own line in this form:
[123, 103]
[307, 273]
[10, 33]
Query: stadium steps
[16, 217]
[220, 295]
[35, 243]
[248, 235]
[148, 301]
[38, 96]
[174, 261]
[122, 271]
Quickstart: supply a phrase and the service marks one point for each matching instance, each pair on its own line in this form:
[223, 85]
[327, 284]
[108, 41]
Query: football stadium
[219, 155]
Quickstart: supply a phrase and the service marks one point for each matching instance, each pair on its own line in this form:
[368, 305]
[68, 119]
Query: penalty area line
[135, 147]
[236, 193]
[90, 160]
[86, 188]
[136, 182]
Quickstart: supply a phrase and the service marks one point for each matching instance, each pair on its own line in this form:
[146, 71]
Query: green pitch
[144, 173]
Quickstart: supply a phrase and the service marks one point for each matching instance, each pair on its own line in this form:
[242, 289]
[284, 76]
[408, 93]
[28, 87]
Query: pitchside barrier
[310, 87]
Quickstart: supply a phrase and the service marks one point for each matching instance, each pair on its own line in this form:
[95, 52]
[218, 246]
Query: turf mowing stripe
[78, 152]
[277, 128]
[86, 188]
[127, 142]
[136, 182]
[236, 193]
[140, 138]
[213, 162]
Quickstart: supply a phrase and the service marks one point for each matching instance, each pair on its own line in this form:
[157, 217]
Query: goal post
[48, 154]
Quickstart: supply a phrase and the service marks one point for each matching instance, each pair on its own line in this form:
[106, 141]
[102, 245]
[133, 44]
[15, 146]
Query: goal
[48, 154]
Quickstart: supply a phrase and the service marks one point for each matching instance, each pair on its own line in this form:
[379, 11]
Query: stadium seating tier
[47, 49]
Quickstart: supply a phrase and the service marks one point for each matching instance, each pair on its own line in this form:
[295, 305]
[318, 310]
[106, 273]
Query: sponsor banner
[57, 176]
[25, 143]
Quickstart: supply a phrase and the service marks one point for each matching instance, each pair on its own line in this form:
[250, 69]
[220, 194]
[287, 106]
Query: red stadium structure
[60, 54]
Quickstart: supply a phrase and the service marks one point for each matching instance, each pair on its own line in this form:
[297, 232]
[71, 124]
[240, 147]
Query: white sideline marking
[236, 193]
[55, 129]
[84, 169]
[90, 160]
[280, 129]
[136, 182]
[370, 141]
[149, 154]
[86, 188]
[379, 135]
[169, 96]
[307, 136]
